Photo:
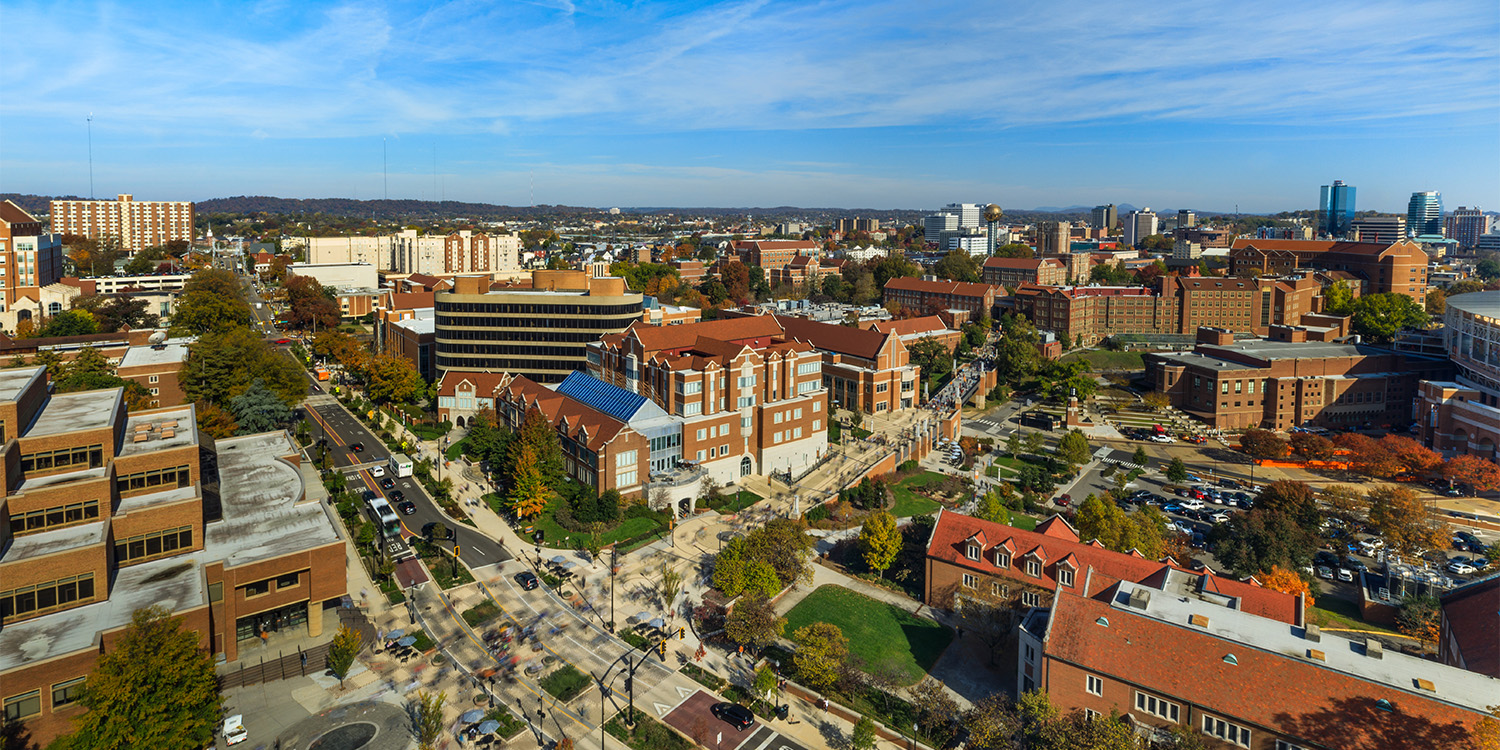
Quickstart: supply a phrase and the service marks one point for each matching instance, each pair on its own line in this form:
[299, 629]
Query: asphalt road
[342, 430]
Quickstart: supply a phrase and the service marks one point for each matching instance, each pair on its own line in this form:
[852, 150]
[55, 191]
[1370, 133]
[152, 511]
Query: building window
[777, 437]
[692, 409]
[155, 544]
[21, 706]
[970, 581]
[702, 433]
[63, 459]
[1094, 685]
[55, 517]
[625, 459]
[1002, 559]
[1232, 733]
[700, 456]
[745, 401]
[153, 379]
[999, 589]
[817, 406]
[817, 425]
[1034, 568]
[257, 589]
[1284, 745]
[1156, 707]
[45, 597]
[692, 387]
[796, 433]
[152, 481]
[290, 580]
[972, 552]
[777, 418]
[1090, 714]
[1031, 599]
[67, 692]
[1065, 576]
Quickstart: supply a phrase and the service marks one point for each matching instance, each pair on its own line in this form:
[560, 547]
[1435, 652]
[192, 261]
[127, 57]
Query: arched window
[54, 308]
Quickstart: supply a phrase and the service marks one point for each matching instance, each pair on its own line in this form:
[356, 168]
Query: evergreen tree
[259, 410]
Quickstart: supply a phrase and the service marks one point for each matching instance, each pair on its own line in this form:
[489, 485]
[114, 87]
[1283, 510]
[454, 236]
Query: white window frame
[702, 433]
[1031, 599]
[972, 552]
[970, 581]
[625, 479]
[776, 418]
[692, 409]
[1065, 576]
[1002, 559]
[1034, 568]
[817, 406]
[1228, 731]
[153, 379]
[1147, 703]
[692, 387]
[625, 459]
[1093, 685]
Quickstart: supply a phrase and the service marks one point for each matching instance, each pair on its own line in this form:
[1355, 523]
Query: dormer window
[972, 552]
[1034, 568]
[1002, 559]
[1065, 576]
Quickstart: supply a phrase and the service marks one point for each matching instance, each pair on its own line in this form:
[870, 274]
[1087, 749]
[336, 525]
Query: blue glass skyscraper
[1424, 214]
[1335, 209]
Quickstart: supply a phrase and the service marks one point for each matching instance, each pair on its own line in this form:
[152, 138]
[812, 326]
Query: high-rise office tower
[1104, 217]
[1335, 208]
[1139, 225]
[934, 225]
[1186, 218]
[1467, 225]
[1424, 214]
[970, 215]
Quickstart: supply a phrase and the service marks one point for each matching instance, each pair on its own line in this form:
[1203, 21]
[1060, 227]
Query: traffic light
[681, 633]
[629, 683]
[662, 647]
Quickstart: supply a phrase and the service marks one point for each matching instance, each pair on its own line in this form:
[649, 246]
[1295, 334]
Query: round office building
[1462, 416]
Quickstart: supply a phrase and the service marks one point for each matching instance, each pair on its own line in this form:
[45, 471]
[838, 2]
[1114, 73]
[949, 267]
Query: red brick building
[773, 254]
[863, 370]
[912, 330]
[1399, 268]
[929, 295]
[1013, 272]
[1469, 632]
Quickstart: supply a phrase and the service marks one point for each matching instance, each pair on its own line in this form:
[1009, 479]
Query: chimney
[1374, 649]
[1139, 598]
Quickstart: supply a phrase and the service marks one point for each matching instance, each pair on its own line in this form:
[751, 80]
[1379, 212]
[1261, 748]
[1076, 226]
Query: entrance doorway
[746, 466]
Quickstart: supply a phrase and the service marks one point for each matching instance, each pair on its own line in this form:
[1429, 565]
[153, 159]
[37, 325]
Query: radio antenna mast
[90, 120]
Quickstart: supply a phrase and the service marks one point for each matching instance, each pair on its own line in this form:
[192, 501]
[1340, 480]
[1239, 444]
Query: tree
[1368, 456]
[935, 710]
[1378, 317]
[309, 305]
[394, 380]
[760, 579]
[115, 312]
[69, 323]
[154, 688]
[880, 541]
[1413, 457]
[1312, 447]
[223, 364]
[429, 718]
[765, 681]
[1437, 302]
[537, 433]
[1260, 539]
[991, 508]
[215, 422]
[729, 568]
[1295, 499]
[211, 301]
[1345, 503]
[1074, 448]
[1013, 444]
[341, 652]
[668, 586]
[1014, 250]
[753, 623]
[1338, 299]
[1286, 581]
[992, 723]
[1418, 617]
[528, 489]
[1481, 475]
[259, 410]
[1100, 520]
[1140, 458]
[786, 546]
[822, 651]
[957, 265]
[1263, 444]
[1177, 472]
[863, 737]
[931, 356]
[1404, 521]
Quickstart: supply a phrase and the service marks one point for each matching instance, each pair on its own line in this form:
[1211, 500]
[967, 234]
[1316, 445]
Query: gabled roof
[1054, 539]
[911, 326]
[10, 213]
[1319, 247]
[485, 383]
[659, 338]
[1260, 673]
[832, 337]
[576, 419]
[958, 288]
[606, 397]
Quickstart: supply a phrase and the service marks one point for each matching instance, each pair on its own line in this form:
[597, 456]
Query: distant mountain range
[418, 210]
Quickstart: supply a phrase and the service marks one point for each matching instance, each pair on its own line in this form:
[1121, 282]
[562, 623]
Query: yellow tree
[822, 650]
[528, 492]
[1285, 581]
[1404, 520]
[880, 541]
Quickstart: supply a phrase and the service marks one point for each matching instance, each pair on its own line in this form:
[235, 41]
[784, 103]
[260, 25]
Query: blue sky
[759, 103]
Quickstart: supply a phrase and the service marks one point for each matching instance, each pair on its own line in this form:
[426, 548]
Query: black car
[427, 530]
[387, 483]
[396, 496]
[407, 508]
[356, 447]
[527, 579]
[736, 715]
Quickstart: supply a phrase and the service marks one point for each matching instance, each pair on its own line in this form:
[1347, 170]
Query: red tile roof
[1310, 702]
[662, 338]
[10, 213]
[1472, 614]
[1317, 247]
[1021, 263]
[910, 326]
[1054, 539]
[412, 300]
[580, 419]
[958, 288]
[835, 338]
[485, 383]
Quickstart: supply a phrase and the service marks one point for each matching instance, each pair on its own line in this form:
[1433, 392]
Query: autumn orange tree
[1411, 455]
[1479, 474]
[1369, 456]
[1419, 617]
[1286, 581]
[1404, 521]
[1263, 444]
[528, 491]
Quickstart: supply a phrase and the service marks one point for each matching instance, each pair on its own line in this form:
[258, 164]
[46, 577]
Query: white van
[1192, 503]
[234, 730]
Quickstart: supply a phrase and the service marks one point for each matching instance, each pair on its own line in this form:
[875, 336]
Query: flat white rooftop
[265, 513]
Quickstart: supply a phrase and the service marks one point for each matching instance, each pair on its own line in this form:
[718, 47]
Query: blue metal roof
[610, 399]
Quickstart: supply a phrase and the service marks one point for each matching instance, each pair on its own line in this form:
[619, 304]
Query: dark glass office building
[1335, 209]
[542, 332]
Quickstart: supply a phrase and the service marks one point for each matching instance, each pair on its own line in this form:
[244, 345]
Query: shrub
[818, 513]
[565, 683]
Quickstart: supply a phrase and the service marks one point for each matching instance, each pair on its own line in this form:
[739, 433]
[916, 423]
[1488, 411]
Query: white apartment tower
[1139, 225]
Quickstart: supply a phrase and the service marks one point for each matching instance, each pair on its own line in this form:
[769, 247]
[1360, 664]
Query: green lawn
[560, 538]
[1022, 521]
[565, 683]
[879, 633]
[908, 502]
[733, 502]
[1106, 360]
[476, 616]
[1332, 612]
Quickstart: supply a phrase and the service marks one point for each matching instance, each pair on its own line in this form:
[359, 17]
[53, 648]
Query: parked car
[1370, 545]
[1346, 575]
[1219, 517]
[734, 714]
[387, 483]
[1193, 503]
[1325, 572]
[1172, 508]
[1460, 568]
[1064, 500]
[527, 579]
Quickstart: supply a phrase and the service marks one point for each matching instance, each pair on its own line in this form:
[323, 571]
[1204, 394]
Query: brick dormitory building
[105, 512]
[1399, 267]
[931, 295]
[1291, 379]
[1103, 632]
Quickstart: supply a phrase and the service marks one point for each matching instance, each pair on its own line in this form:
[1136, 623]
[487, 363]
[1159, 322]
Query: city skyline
[758, 103]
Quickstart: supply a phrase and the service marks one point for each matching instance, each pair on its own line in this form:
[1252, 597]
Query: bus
[383, 516]
[401, 465]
